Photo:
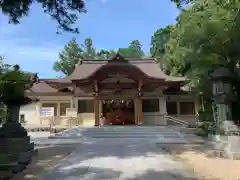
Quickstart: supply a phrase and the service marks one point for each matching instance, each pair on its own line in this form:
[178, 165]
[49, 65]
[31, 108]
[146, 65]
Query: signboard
[47, 112]
[71, 112]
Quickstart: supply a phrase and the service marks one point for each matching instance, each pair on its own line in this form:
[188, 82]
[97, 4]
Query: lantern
[222, 85]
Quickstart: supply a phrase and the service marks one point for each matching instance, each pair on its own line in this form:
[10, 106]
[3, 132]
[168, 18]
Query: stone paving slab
[128, 159]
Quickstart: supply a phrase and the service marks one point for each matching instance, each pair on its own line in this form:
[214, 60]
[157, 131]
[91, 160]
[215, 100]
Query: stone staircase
[121, 132]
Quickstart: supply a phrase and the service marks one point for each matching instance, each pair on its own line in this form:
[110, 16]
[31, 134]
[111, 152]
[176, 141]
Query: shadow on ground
[93, 173]
[47, 157]
[95, 162]
[93, 159]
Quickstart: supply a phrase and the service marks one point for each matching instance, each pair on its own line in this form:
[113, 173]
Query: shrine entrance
[118, 112]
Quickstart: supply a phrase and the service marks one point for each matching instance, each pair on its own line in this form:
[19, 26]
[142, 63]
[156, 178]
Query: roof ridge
[132, 60]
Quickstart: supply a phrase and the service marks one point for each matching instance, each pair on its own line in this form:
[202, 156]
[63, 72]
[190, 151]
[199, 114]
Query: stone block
[18, 168]
[25, 157]
[35, 152]
[8, 166]
[229, 146]
[6, 174]
[8, 158]
[12, 130]
[17, 140]
[14, 148]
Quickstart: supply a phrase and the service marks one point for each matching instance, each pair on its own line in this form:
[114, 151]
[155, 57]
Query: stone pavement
[118, 159]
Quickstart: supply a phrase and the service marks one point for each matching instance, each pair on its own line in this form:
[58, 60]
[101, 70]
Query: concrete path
[118, 159]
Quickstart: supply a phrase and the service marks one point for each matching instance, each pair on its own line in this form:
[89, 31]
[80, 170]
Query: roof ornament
[80, 61]
[156, 60]
[119, 57]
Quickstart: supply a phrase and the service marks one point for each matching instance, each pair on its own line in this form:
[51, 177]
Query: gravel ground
[207, 168]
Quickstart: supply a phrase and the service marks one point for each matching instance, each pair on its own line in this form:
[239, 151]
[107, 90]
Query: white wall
[191, 118]
[30, 113]
[87, 119]
[155, 118]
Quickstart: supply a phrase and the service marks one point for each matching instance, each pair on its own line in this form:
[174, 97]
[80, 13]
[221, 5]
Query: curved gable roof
[148, 66]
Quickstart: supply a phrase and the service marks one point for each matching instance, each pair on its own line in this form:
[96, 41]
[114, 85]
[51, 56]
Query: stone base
[224, 146]
[6, 174]
[15, 154]
[12, 130]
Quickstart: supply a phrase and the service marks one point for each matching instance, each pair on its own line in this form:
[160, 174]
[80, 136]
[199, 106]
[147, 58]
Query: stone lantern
[222, 94]
[16, 149]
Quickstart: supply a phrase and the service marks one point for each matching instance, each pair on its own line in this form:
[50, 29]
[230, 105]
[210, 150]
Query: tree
[105, 54]
[73, 52]
[13, 85]
[137, 48]
[134, 50]
[181, 3]
[65, 12]
[69, 56]
[205, 37]
[4, 68]
[158, 46]
[89, 52]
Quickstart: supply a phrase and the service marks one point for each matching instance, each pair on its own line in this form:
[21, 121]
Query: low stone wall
[224, 146]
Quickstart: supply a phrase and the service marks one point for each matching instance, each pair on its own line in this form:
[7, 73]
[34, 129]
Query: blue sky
[112, 24]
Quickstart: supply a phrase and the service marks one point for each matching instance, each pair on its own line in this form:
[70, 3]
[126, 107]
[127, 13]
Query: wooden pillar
[96, 104]
[139, 103]
[139, 111]
[72, 103]
[96, 112]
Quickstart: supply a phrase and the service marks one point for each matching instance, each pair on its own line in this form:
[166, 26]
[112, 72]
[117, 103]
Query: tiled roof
[85, 68]
[148, 66]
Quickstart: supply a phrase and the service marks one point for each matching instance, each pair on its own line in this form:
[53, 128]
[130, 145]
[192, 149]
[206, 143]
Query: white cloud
[19, 50]
[104, 1]
[16, 48]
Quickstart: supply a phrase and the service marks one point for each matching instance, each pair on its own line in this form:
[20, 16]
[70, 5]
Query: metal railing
[65, 122]
[176, 120]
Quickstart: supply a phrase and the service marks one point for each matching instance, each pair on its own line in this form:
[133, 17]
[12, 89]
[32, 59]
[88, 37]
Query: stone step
[10, 141]
[113, 136]
[111, 131]
[117, 133]
[6, 174]
[13, 157]
[8, 166]
[16, 148]
[8, 158]
[122, 128]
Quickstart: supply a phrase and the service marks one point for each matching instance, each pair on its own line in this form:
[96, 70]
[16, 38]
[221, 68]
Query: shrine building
[125, 91]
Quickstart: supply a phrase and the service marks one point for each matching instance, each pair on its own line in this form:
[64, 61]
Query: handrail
[176, 120]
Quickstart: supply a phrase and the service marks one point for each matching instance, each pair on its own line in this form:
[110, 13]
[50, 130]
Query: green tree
[181, 3]
[69, 56]
[73, 52]
[134, 50]
[205, 37]
[137, 47]
[65, 12]
[12, 88]
[158, 47]
[4, 68]
[105, 54]
[89, 52]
